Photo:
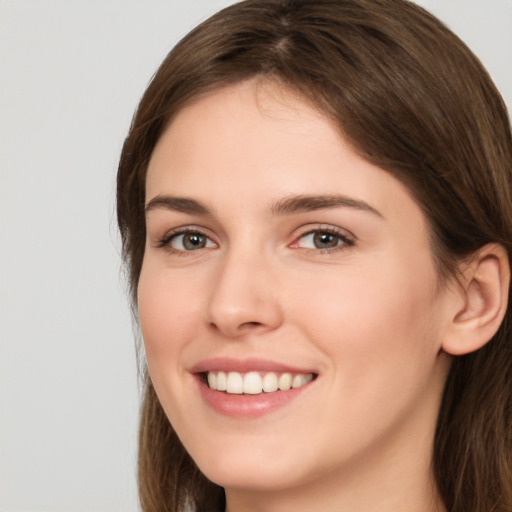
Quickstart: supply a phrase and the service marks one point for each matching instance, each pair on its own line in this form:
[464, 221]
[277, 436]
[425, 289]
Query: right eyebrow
[177, 204]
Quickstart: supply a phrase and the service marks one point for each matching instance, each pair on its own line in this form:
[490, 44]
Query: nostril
[250, 325]
[238, 329]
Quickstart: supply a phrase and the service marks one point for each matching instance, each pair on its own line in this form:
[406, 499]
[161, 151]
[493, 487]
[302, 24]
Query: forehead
[257, 142]
[253, 122]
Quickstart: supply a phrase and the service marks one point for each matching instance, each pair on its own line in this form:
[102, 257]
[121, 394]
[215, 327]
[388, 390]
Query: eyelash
[345, 241]
[165, 241]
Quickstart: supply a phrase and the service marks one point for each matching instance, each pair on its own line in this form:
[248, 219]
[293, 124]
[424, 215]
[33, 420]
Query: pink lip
[226, 364]
[246, 406]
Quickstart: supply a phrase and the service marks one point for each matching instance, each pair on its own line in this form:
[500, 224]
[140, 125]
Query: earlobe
[482, 299]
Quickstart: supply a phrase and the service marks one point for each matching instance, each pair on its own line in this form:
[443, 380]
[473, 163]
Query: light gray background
[71, 72]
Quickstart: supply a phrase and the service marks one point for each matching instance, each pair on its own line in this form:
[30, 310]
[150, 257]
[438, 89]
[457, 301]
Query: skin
[368, 315]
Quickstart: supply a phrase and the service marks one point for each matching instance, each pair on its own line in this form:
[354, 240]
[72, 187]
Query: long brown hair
[412, 99]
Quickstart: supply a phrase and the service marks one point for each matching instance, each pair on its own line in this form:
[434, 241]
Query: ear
[479, 300]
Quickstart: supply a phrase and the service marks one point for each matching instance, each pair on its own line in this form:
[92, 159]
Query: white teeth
[222, 381]
[270, 382]
[285, 382]
[255, 383]
[300, 380]
[235, 383]
[252, 383]
[297, 381]
[212, 380]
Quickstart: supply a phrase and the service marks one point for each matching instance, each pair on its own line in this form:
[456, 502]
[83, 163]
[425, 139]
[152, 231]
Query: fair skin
[242, 274]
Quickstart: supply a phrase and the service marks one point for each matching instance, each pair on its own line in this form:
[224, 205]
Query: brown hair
[412, 99]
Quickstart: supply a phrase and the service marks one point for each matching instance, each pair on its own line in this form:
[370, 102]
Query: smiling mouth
[255, 383]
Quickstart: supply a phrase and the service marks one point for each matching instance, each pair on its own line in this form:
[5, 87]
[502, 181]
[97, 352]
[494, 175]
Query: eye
[323, 239]
[187, 241]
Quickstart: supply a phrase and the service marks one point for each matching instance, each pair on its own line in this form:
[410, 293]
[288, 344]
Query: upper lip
[227, 364]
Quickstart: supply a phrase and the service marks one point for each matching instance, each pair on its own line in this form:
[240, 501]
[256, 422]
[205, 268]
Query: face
[288, 300]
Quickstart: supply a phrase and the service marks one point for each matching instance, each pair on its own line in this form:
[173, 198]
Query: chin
[251, 469]
[250, 477]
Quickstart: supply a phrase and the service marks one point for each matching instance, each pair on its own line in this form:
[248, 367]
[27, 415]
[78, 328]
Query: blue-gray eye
[320, 240]
[190, 241]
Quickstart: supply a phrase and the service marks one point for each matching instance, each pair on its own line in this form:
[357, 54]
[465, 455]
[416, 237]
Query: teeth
[270, 382]
[212, 380]
[255, 383]
[222, 381]
[235, 383]
[300, 380]
[285, 382]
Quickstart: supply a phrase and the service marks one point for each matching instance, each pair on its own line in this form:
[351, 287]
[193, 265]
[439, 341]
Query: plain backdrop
[71, 73]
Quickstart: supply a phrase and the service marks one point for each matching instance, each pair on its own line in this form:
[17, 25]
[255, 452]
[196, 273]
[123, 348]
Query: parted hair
[412, 99]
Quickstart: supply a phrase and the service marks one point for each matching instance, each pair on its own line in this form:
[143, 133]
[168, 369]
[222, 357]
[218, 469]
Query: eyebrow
[305, 203]
[286, 206]
[177, 204]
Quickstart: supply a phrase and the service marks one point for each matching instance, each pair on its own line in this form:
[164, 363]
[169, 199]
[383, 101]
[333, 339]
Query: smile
[250, 388]
[255, 383]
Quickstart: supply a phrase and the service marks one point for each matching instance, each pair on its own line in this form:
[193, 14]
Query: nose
[244, 297]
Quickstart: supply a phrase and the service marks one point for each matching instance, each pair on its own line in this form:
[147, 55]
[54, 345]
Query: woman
[315, 205]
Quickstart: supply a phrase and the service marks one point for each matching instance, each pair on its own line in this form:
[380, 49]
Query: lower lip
[248, 406]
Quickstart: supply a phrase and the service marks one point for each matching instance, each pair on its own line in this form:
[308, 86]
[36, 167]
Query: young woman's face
[277, 256]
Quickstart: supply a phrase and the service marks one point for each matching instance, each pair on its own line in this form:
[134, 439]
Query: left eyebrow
[306, 203]
[177, 204]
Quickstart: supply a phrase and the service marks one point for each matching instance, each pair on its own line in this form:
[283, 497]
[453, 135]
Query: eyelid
[164, 242]
[346, 237]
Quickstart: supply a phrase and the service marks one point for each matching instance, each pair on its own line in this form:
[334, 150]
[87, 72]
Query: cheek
[168, 317]
[167, 314]
[374, 324]
[379, 333]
